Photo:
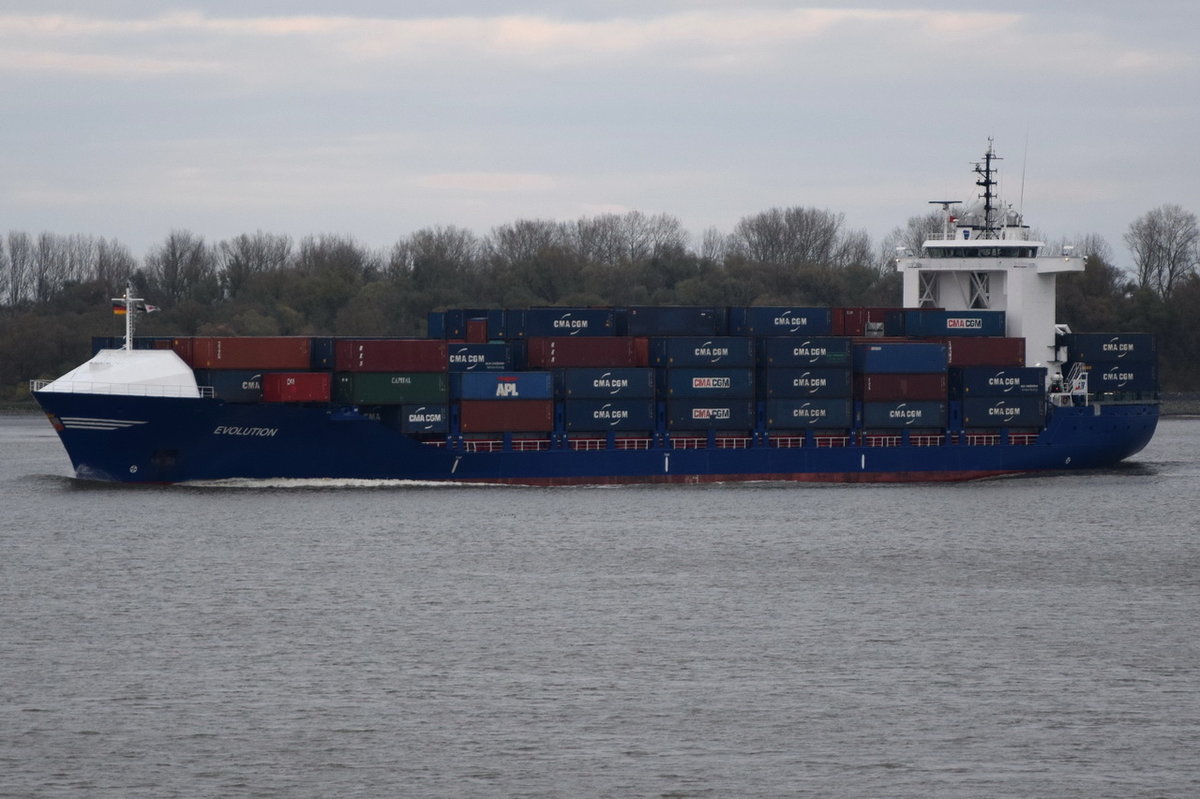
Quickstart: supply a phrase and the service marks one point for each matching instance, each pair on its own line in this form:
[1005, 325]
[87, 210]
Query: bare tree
[243, 256]
[115, 265]
[1165, 244]
[788, 237]
[182, 268]
[20, 265]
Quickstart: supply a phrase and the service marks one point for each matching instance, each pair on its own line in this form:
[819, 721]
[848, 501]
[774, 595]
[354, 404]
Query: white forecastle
[985, 259]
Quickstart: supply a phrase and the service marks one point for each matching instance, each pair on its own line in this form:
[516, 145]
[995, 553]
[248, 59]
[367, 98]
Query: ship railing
[124, 389]
[819, 441]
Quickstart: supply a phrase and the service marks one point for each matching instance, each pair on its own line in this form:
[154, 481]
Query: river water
[1017, 637]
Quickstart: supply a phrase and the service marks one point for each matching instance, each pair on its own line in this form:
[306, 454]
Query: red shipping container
[184, 349]
[506, 416]
[563, 353]
[296, 386]
[885, 387]
[477, 331]
[984, 350]
[391, 355]
[251, 352]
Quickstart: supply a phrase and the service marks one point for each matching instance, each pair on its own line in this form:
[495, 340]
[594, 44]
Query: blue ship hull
[171, 440]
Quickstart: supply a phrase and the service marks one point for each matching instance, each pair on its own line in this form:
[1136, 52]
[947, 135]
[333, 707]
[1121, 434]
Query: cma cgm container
[476, 357]
[599, 415]
[899, 357]
[296, 387]
[704, 383]
[251, 352]
[678, 320]
[788, 383]
[1004, 412]
[506, 416]
[710, 414]
[804, 351]
[561, 353]
[872, 387]
[233, 385]
[572, 322]
[1110, 347]
[502, 386]
[991, 381]
[702, 351]
[601, 383]
[984, 351]
[933, 322]
[424, 419]
[798, 414]
[917, 414]
[1123, 377]
[391, 388]
[780, 321]
[390, 355]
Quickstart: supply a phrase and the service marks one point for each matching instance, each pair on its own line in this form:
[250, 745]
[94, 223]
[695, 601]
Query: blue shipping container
[697, 383]
[792, 382]
[491, 357]
[714, 414]
[780, 320]
[501, 385]
[900, 357]
[923, 414]
[552, 322]
[1111, 347]
[321, 353]
[599, 415]
[1121, 377]
[233, 385]
[933, 322]
[424, 419]
[997, 381]
[694, 351]
[797, 414]
[804, 351]
[680, 320]
[600, 383]
[1004, 412]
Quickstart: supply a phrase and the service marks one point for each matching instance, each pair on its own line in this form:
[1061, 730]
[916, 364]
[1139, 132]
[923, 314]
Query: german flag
[119, 308]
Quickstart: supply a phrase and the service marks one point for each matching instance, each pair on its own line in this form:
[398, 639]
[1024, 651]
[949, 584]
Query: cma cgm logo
[711, 382]
[711, 413]
[507, 387]
[961, 323]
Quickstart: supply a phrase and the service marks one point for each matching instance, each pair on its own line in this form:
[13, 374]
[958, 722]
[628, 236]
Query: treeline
[55, 290]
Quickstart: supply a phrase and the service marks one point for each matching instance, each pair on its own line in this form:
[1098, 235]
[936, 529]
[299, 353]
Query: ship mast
[985, 172]
[131, 305]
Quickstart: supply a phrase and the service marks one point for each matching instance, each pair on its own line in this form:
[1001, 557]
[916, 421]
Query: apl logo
[507, 387]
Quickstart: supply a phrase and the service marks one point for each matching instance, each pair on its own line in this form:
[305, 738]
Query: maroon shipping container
[506, 416]
[296, 386]
[569, 353]
[477, 331]
[184, 349]
[391, 355]
[251, 352]
[886, 387]
[984, 351]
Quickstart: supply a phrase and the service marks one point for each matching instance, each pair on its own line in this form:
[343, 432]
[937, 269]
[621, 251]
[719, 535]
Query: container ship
[969, 378]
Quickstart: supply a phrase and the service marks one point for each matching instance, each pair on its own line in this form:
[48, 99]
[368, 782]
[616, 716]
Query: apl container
[490, 357]
[502, 386]
[702, 351]
[879, 387]
[251, 352]
[680, 320]
[1110, 347]
[711, 414]
[789, 351]
[296, 387]
[561, 353]
[1123, 377]
[780, 320]
[1004, 412]
[789, 383]
[505, 416]
[984, 351]
[233, 385]
[798, 414]
[935, 322]
[626, 383]
[391, 388]
[991, 381]
[390, 355]
[562, 322]
[899, 357]
[704, 383]
[599, 415]
[914, 414]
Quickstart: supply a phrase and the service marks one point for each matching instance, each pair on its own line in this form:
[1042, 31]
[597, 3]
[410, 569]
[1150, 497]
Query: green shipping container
[391, 388]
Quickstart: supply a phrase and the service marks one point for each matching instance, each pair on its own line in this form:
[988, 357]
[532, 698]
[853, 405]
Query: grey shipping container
[797, 414]
[1110, 347]
[822, 351]
[1004, 412]
[918, 413]
[695, 351]
[798, 382]
[602, 383]
[599, 415]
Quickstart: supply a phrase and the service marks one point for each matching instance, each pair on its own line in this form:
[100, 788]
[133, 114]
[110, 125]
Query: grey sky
[375, 119]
